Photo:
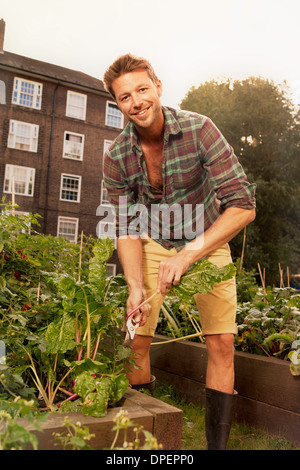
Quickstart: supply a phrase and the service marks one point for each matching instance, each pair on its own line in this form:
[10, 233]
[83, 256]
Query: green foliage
[246, 284]
[56, 312]
[201, 278]
[74, 437]
[178, 314]
[13, 433]
[294, 356]
[270, 323]
[98, 393]
[122, 423]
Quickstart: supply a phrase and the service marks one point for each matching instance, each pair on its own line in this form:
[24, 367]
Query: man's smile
[141, 113]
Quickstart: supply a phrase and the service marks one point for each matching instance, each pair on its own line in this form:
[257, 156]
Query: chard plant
[179, 314]
[55, 317]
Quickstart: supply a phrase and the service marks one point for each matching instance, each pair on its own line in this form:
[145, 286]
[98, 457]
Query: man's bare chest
[154, 159]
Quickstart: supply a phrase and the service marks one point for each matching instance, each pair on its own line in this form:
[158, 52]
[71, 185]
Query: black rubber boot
[218, 418]
[147, 386]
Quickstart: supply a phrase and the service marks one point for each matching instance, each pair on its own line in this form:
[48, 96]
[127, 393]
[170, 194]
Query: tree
[261, 124]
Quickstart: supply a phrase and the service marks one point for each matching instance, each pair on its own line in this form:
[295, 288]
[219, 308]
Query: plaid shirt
[199, 169]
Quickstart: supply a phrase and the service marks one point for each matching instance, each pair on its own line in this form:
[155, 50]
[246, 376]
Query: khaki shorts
[217, 308]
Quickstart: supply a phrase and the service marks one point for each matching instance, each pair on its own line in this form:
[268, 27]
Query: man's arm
[229, 224]
[130, 255]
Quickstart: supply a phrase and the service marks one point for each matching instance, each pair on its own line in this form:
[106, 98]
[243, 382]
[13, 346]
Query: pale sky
[187, 41]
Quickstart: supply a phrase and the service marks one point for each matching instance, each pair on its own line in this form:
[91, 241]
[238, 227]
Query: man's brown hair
[125, 64]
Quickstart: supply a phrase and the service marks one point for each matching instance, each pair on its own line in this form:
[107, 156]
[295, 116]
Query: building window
[104, 199]
[27, 93]
[110, 270]
[23, 136]
[114, 117]
[76, 105]
[18, 214]
[106, 146]
[70, 188]
[22, 177]
[73, 146]
[2, 92]
[67, 227]
[107, 229]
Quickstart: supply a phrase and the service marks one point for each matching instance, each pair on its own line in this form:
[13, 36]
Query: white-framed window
[76, 105]
[23, 178]
[113, 116]
[73, 145]
[70, 188]
[67, 227]
[107, 229]
[2, 92]
[27, 93]
[23, 136]
[103, 200]
[18, 214]
[106, 145]
[111, 270]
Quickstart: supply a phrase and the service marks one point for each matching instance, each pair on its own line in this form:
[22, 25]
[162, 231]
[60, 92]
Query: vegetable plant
[55, 317]
[179, 314]
[270, 323]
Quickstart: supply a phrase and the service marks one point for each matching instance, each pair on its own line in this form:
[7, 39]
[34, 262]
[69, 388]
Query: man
[176, 158]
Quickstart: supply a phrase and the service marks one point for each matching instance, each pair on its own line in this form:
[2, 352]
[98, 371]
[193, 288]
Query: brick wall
[48, 161]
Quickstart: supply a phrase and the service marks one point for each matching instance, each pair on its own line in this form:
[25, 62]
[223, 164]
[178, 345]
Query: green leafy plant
[179, 315]
[75, 436]
[56, 314]
[270, 324]
[13, 433]
[122, 423]
[294, 356]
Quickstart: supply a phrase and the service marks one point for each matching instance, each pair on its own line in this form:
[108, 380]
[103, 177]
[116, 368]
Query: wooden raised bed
[268, 394]
[162, 420]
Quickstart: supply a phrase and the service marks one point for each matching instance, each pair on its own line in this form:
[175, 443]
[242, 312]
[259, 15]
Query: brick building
[55, 124]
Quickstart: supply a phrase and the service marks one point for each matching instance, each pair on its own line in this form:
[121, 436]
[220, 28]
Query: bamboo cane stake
[13, 195]
[38, 290]
[80, 255]
[243, 251]
[281, 276]
[261, 278]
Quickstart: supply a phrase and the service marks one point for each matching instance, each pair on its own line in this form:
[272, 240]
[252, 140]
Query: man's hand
[135, 298]
[171, 270]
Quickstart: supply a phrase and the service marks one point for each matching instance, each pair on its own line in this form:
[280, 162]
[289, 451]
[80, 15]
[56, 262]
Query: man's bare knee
[141, 344]
[221, 346]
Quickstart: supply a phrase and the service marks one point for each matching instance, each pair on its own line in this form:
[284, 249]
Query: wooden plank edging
[269, 395]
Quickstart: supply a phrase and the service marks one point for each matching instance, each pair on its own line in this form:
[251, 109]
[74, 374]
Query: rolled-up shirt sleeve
[224, 171]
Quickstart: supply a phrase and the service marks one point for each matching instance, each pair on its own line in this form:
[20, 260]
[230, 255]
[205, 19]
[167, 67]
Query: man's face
[138, 98]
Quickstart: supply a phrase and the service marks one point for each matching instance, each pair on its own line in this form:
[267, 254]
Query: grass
[242, 437]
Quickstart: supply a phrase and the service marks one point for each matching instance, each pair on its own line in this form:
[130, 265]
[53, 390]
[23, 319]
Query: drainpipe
[2, 35]
[50, 157]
